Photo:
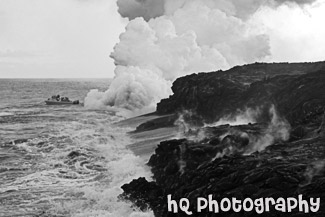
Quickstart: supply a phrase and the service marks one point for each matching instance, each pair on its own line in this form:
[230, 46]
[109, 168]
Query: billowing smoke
[166, 39]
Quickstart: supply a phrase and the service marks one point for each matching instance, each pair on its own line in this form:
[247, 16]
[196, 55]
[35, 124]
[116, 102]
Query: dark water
[62, 160]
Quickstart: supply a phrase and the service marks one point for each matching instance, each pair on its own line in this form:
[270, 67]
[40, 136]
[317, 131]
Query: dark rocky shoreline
[234, 161]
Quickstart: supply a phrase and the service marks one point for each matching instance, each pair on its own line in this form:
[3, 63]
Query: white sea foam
[88, 182]
[6, 114]
[100, 195]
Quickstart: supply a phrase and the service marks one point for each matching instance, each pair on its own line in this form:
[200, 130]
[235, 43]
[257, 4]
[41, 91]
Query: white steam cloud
[166, 39]
[249, 115]
[277, 130]
[315, 168]
[155, 8]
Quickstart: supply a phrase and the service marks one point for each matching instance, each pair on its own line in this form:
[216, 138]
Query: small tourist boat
[54, 102]
[57, 100]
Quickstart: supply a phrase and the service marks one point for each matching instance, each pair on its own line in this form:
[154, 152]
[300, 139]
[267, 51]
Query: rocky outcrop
[187, 169]
[252, 160]
[215, 94]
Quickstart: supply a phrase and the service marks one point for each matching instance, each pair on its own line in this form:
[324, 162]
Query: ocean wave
[6, 114]
[73, 167]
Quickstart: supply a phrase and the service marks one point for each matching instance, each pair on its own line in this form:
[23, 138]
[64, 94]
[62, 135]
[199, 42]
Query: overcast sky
[58, 38]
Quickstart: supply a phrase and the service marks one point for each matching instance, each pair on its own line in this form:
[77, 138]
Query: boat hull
[50, 102]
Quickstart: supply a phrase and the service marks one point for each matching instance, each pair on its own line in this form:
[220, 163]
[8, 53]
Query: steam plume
[315, 168]
[166, 39]
[247, 116]
[155, 8]
[277, 130]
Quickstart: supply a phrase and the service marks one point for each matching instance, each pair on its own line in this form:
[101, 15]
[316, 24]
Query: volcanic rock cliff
[281, 154]
[212, 95]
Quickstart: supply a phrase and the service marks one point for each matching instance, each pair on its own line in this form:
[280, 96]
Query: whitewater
[63, 160]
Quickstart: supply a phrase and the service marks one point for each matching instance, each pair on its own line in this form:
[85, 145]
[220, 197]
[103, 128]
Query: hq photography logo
[259, 205]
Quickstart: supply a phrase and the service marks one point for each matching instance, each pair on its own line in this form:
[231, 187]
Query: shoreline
[147, 139]
[271, 143]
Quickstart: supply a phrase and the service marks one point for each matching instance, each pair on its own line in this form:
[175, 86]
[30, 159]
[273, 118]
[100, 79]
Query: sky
[58, 38]
[75, 38]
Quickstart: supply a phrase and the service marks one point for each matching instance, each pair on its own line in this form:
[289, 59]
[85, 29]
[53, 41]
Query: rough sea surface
[62, 160]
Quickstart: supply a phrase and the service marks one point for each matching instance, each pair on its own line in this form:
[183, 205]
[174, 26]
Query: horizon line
[58, 78]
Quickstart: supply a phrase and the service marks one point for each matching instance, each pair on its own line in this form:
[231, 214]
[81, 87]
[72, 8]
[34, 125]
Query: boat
[54, 102]
[57, 100]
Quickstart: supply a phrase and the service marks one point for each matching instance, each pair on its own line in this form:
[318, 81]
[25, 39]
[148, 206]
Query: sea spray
[99, 196]
[74, 164]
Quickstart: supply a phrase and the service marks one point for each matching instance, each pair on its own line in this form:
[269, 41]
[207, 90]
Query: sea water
[62, 160]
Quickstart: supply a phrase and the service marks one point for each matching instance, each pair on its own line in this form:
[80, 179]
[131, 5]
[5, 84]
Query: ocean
[63, 160]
